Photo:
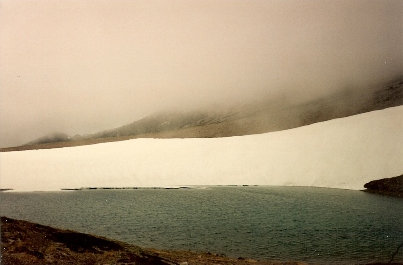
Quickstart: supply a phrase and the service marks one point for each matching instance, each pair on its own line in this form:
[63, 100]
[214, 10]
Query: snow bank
[341, 153]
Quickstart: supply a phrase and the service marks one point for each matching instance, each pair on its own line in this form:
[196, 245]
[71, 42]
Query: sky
[81, 66]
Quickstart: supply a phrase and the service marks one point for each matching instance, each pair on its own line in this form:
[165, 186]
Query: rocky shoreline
[26, 243]
[387, 186]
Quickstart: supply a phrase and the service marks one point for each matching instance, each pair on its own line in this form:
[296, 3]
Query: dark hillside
[387, 186]
[260, 117]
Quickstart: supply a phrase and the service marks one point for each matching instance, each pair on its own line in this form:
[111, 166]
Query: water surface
[317, 225]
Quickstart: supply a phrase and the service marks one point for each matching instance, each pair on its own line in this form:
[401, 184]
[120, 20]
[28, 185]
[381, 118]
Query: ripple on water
[327, 226]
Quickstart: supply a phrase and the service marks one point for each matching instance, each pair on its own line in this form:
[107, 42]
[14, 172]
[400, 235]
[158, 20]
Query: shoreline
[392, 187]
[24, 242]
[27, 243]
[173, 187]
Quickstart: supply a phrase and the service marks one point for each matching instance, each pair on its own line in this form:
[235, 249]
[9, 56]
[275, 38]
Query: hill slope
[341, 153]
[260, 117]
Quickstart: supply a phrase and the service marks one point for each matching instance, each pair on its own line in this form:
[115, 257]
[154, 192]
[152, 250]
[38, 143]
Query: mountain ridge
[341, 153]
[264, 116]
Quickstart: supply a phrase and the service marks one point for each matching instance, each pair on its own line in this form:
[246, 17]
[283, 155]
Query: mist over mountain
[265, 115]
[51, 138]
[82, 69]
[262, 116]
[340, 153]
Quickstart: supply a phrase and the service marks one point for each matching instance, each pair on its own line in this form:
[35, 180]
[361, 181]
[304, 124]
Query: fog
[331, 154]
[83, 66]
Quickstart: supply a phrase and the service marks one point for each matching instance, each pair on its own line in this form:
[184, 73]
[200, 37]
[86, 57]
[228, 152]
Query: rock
[387, 186]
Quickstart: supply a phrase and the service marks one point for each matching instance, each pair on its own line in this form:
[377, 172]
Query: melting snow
[341, 153]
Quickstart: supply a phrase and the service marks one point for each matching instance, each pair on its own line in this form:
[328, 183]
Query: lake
[316, 225]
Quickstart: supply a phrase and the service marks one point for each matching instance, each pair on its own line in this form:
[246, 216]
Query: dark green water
[317, 225]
